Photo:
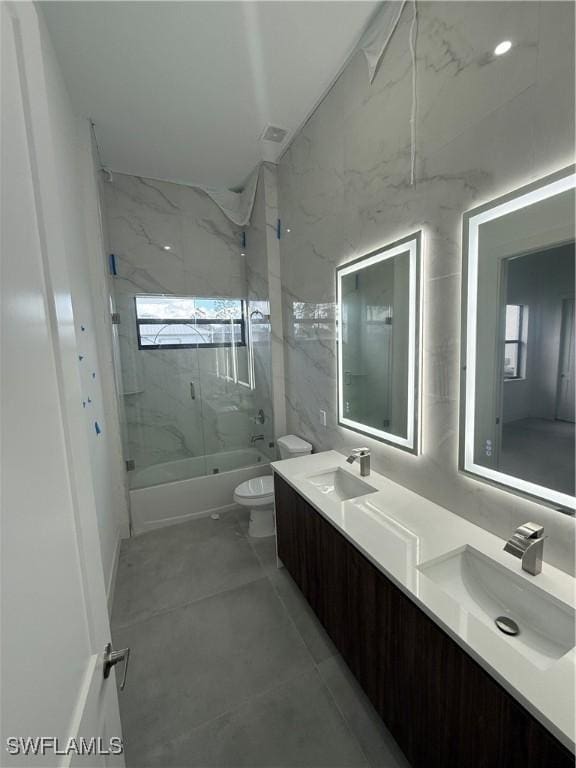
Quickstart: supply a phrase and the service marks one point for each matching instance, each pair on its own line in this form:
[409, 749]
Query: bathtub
[170, 493]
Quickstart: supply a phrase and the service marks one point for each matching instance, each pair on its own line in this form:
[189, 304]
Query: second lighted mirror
[378, 299]
[517, 395]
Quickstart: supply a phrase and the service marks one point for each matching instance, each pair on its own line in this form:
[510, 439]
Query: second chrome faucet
[527, 543]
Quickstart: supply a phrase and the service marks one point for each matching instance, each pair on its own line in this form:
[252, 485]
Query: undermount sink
[540, 625]
[340, 485]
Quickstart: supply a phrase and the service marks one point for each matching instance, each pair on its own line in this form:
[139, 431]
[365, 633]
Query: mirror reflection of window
[514, 341]
[313, 322]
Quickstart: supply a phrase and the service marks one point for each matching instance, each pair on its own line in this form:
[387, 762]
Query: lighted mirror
[517, 394]
[378, 299]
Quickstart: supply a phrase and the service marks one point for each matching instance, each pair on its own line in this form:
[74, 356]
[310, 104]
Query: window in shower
[176, 322]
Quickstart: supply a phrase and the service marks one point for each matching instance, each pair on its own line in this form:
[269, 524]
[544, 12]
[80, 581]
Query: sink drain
[507, 625]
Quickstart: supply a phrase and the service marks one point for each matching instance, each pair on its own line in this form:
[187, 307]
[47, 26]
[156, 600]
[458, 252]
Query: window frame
[518, 341]
[192, 321]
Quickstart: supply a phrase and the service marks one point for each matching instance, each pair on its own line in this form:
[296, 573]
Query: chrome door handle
[111, 658]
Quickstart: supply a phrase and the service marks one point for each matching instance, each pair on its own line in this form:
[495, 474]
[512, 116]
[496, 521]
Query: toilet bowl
[258, 493]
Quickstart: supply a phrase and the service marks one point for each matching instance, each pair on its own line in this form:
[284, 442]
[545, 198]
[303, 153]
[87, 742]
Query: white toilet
[258, 493]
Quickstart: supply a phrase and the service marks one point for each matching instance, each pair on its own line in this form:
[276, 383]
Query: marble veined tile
[182, 403]
[555, 42]
[460, 81]
[484, 126]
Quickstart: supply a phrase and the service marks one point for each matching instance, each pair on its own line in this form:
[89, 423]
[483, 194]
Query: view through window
[175, 322]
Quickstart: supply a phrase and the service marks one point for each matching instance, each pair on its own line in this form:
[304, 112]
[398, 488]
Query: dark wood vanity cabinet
[442, 708]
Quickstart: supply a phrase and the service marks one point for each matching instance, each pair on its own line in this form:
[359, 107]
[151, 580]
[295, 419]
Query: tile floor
[229, 665]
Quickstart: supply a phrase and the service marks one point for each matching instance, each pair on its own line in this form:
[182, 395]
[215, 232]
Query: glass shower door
[227, 383]
[161, 381]
[196, 375]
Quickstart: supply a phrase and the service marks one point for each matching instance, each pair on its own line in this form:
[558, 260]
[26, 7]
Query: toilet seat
[256, 492]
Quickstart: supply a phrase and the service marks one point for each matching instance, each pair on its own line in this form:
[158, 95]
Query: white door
[566, 392]
[54, 620]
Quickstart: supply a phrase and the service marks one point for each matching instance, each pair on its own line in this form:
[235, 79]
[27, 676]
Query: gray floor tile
[175, 565]
[295, 725]
[223, 650]
[312, 632]
[197, 662]
[364, 722]
[243, 518]
[265, 550]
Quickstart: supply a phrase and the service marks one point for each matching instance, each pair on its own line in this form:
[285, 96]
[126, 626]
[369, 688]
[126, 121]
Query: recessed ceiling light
[166, 247]
[242, 253]
[502, 47]
[288, 229]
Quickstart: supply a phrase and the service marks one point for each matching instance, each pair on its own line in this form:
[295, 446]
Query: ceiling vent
[273, 133]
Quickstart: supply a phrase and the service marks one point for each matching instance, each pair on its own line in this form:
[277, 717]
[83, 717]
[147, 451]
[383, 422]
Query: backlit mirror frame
[549, 186]
[413, 245]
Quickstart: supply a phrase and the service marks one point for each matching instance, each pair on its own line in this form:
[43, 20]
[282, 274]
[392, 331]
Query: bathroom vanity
[409, 592]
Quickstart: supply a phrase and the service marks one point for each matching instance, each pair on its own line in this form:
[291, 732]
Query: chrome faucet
[527, 543]
[254, 438]
[363, 455]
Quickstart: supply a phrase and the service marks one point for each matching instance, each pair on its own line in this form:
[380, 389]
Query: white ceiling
[182, 91]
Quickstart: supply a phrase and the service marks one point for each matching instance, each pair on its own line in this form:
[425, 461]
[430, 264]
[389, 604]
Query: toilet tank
[291, 446]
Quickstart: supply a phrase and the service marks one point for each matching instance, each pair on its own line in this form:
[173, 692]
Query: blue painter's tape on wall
[278, 229]
[243, 239]
[97, 428]
[112, 259]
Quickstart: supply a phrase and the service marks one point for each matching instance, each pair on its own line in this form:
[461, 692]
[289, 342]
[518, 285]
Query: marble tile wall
[163, 422]
[270, 178]
[484, 126]
[263, 275]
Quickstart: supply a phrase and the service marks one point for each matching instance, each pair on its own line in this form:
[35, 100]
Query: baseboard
[113, 573]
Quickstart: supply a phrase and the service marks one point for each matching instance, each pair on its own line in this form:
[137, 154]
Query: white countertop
[398, 530]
